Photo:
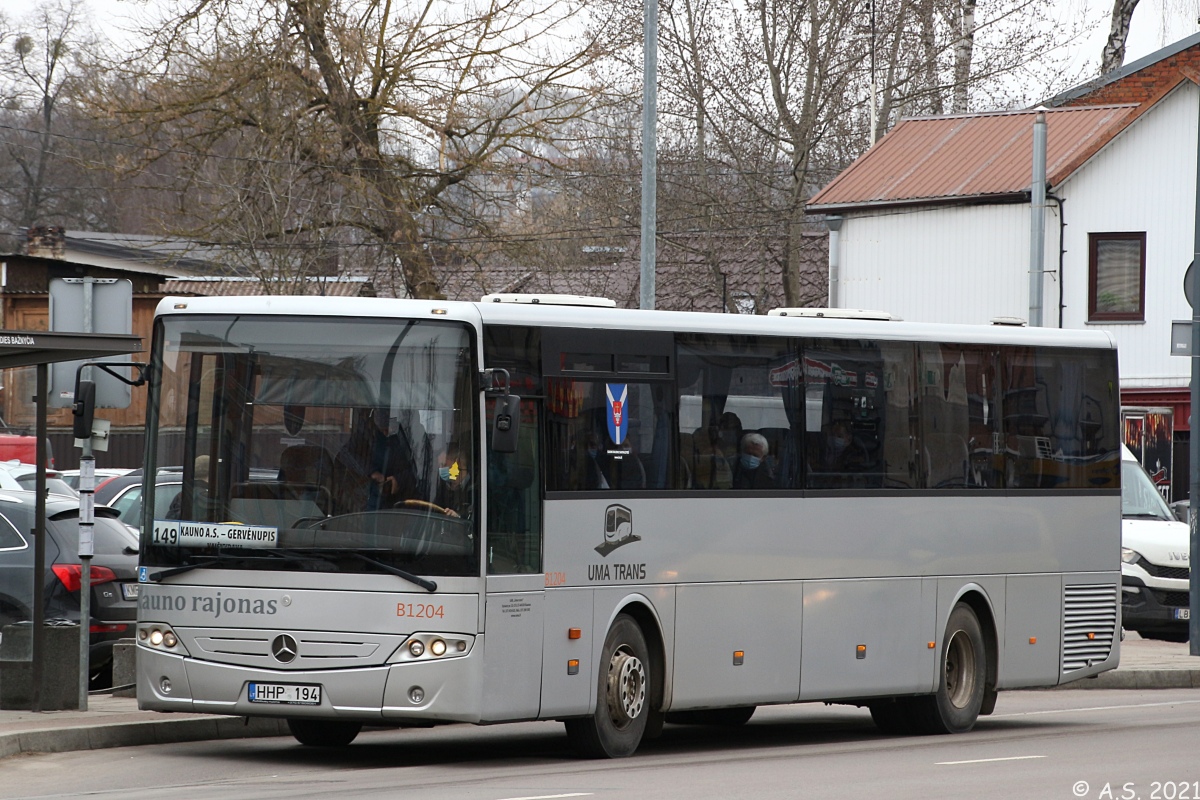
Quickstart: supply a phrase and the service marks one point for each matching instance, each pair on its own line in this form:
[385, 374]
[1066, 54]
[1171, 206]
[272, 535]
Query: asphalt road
[1053, 744]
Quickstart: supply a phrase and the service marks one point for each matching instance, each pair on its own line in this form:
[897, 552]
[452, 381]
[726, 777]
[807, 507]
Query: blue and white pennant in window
[618, 420]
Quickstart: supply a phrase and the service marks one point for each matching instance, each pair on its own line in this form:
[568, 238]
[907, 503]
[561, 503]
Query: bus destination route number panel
[296, 694]
[174, 533]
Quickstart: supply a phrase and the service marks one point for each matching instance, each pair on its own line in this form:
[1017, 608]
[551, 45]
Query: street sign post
[90, 305]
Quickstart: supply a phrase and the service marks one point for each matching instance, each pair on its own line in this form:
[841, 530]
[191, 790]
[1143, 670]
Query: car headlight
[1130, 556]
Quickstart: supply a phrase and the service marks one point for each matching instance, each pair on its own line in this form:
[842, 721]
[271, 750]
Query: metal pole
[39, 544]
[874, 84]
[87, 485]
[1037, 233]
[649, 154]
[1193, 424]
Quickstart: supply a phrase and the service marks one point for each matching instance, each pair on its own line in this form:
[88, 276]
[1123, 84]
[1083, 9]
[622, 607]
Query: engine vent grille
[1089, 625]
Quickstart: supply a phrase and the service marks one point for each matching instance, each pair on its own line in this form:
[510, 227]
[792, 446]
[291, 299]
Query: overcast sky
[1156, 23]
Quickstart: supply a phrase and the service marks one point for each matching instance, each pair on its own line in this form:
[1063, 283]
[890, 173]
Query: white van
[1154, 559]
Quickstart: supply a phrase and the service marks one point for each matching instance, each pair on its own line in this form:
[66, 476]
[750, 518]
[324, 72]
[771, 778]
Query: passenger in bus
[753, 469]
[843, 452]
[454, 483]
[376, 466]
[716, 450]
[200, 504]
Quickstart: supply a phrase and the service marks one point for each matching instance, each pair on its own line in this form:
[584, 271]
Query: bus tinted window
[1059, 408]
[739, 419]
[960, 442]
[608, 435]
[859, 411]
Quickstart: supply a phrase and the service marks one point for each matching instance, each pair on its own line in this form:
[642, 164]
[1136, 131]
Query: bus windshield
[314, 444]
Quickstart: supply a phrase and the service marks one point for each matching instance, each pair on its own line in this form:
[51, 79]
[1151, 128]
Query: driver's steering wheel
[428, 506]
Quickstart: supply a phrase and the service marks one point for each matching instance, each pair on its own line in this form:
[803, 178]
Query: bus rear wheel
[955, 707]
[623, 696]
[323, 733]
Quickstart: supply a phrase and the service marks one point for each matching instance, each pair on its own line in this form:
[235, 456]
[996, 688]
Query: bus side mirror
[84, 408]
[506, 423]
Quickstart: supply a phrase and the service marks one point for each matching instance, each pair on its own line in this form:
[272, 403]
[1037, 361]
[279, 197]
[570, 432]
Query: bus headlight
[157, 636]
[432, 646]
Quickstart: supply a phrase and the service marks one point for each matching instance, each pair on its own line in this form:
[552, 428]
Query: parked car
[113, 572]
[123, 493]
[1155, 566]
[71, 476]
[19, 476]
[20, 445]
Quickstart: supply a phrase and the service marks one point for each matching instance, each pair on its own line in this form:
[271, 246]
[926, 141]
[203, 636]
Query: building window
[1116, 276]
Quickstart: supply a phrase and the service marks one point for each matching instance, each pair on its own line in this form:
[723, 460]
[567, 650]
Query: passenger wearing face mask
[454, 483]
[753, 469]
[843, 452]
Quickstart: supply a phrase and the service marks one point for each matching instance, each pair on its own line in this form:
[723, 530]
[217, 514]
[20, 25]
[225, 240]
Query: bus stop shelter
[40, 349]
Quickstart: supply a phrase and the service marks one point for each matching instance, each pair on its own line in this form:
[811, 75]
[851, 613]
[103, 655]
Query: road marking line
[985, 760]
[551, 796]
[1097, 708]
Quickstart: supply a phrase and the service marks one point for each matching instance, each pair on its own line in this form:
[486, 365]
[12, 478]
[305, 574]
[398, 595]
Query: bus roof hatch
[550, 300]
[830, 313]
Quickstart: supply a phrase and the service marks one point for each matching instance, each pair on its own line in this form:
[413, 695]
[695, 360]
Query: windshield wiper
[225, 558]
[298, 556]
[424, 583]
[156, 577]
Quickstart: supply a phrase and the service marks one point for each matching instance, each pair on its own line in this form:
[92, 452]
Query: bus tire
[892, 715]
[718, 717]
[955, 707]
[323, 732]
[623, 695]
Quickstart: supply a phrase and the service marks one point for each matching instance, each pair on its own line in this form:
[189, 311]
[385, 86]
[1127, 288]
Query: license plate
[297, 694]
[130, 591]
[1183, 613]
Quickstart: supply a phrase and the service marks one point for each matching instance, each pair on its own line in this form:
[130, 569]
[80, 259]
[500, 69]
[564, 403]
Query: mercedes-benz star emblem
[284, 648]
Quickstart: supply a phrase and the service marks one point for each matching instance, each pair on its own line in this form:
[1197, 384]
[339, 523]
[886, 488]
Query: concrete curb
[130, 734]
[1140, 679]
[70, 738]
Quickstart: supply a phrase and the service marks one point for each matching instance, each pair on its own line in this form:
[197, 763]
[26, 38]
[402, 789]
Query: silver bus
[401, 512]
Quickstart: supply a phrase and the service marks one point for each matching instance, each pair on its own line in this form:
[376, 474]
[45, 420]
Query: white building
[934, 222]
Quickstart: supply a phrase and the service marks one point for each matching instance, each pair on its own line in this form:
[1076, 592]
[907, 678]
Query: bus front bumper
[412, 692]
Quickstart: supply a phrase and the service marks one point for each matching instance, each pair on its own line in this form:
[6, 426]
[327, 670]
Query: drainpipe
[1037, 235]
[1062, 253]
[835, 260]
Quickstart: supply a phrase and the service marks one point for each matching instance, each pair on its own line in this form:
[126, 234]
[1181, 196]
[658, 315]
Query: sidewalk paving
[117, 722]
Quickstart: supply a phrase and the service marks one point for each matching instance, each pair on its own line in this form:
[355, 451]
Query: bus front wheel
[955, 707]
[323, 733]
[623, 696]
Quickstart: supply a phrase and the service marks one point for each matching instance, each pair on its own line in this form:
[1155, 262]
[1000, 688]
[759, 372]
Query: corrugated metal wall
[952, 264]
[1143, 181]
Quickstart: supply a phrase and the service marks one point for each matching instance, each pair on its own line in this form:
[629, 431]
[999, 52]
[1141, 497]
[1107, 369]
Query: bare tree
[36, 66]
[1113, 54]
[410, 111]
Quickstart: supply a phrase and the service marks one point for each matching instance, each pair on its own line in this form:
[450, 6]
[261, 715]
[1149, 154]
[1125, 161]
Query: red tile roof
[969, 157]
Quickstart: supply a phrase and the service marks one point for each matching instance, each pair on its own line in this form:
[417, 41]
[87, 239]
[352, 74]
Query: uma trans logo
[618, 529]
